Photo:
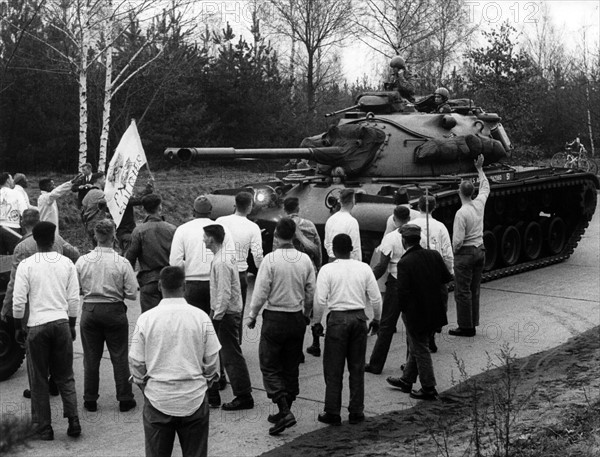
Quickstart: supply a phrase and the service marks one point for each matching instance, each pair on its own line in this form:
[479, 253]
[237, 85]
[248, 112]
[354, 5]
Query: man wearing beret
[421, 275]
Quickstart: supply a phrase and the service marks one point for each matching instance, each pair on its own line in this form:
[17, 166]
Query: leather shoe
[421, 394]
[274, 418]
[239, 403]
[355, 418]
[45, 434]
[126, 405]
[314, 350]
[284, 422]
[90, 405]
[459, 331]
[74, 426]
[369, 369]
[400, 383]
[331, 419]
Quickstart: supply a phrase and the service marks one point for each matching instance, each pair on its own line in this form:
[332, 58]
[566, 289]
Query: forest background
[74, 73]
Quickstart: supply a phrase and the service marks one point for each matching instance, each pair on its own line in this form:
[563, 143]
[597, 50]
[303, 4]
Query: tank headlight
[265, 196]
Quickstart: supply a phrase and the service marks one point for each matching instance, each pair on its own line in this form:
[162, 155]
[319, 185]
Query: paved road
[530, 312]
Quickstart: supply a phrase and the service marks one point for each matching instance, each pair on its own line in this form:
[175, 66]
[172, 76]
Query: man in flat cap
[421, 275]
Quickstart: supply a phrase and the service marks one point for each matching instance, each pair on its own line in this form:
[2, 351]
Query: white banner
[123, 171]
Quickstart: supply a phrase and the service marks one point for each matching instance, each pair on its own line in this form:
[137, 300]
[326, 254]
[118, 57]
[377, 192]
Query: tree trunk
[83, 63]
[310, 82]
[108, 85]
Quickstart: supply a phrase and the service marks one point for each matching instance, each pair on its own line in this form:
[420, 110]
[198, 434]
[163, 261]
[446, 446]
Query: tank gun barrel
[185, 154]
[341, 111]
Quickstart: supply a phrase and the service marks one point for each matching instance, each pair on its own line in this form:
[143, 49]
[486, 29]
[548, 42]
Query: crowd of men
[192, 281]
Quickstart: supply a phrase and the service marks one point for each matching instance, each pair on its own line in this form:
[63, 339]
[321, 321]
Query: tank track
[580, 190]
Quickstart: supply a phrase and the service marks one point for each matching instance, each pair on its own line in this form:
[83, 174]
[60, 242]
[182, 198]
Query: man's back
[246, 237]
[12, 205]
[343, 222]
[176, 338]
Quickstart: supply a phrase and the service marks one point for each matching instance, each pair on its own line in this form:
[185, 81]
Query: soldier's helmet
[398, 63]
[443, 92]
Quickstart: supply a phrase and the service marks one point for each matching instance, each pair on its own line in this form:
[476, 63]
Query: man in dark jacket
[83, 182]
[422, 274]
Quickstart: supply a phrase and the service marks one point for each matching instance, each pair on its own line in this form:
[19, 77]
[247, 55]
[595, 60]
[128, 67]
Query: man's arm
[18, 256]
[355, 236]
[484, 184]
[135, 247]
[321, 295]
[21, 292]
[373, 294]
[403, 285]
[262, 289]
[221, 276]
[210, 359]
[256, 246]
[446, 249]
[177, 255]
[458, 231]
[381, 267]
[309, 291]
[130, 284]
[316, 239]
[59, 191]
[328, 243]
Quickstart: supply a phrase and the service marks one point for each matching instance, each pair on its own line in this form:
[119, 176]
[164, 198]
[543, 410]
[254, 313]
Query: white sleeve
[177, 255]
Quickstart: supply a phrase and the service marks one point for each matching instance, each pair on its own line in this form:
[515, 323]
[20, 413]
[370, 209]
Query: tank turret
[391, 151]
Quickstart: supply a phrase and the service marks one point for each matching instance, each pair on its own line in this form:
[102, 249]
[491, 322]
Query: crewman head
[441, 95]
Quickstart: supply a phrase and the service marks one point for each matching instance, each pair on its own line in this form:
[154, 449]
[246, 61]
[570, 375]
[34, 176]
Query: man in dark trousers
[422, 274]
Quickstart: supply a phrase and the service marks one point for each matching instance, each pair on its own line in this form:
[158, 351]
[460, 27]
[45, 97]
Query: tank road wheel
[510, 245]
[491, 249]
[556, 235]
[11, 354]
[532, 241]
[558, 160]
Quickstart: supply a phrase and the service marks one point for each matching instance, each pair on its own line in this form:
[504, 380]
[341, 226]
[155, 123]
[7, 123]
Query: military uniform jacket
[422, 276]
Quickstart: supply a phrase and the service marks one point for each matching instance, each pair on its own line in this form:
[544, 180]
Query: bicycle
[574, 159]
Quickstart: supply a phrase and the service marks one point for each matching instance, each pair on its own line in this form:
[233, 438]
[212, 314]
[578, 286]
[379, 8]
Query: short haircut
[342, 244]
[172, 278]
[285, 229]
[291, 205]
[44, 183]
[43, 233]
[346, 196]
[96, 177]
[243, 200]
[466, 188]
[30, 217]
[86, 165]
[151, 202]
[425, 201]
[4, 177]
[402, 213]
[216, 231]
[104, 230]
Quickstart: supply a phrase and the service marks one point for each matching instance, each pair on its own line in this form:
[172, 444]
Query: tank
[11, 353]
[390, 151]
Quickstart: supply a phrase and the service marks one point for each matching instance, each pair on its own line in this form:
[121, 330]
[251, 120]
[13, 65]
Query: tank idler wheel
[589, 197]
[556, 235]
[559, 160]
[532, 240]
[491, 250]
[11, 353]
[510, 245]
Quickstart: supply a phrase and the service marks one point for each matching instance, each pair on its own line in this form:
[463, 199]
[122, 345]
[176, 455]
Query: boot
[315, 347]
[286, 418]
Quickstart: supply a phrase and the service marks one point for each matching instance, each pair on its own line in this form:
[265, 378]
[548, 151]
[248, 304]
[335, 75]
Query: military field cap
[410, 231]
[19, 177]
[202, 205]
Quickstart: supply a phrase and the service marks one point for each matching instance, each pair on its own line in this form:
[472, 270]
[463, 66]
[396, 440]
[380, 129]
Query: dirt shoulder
[550, 401]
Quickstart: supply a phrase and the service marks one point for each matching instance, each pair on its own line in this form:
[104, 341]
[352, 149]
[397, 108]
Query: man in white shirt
[391, 252]
[48, 282]
[343, 287]
[106, 280]
[400, 198]
[189, 252]
[343, 222]
[174, 357]
[285, 286]
[12, 205]
[21, 184]
[47, 200]
[246, 237]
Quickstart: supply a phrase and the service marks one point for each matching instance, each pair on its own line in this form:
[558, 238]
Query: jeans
[418, 361]
[468, 268]
[102, 322]
[50, 348]
[279, 353]
[150, 296]
[231, 354]
[197, 293]
[345, 339]
[160, 429]
[389, 320]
